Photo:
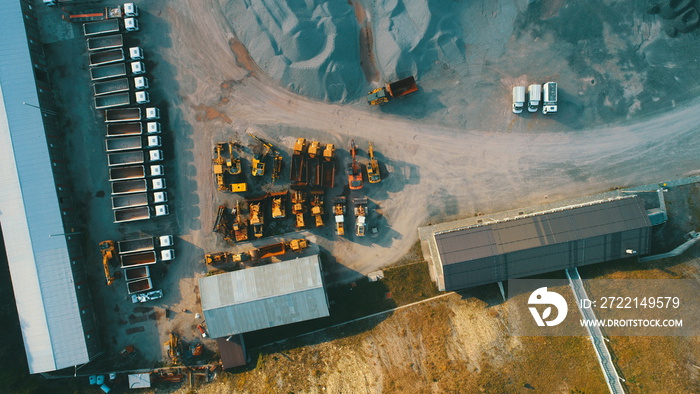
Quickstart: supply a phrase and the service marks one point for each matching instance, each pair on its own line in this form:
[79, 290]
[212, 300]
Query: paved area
[452, 151]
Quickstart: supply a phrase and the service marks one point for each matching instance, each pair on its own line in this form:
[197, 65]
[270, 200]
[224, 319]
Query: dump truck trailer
[106, 57]
[101, 27]
[313, 170]
[125, 158]
[139, 285]
[138, 199]
[131, 114]
[129, 200]
[131, 186]
[138, 259]
[109, 87]
[127, 173]
[106, 42]
[134, 172]
[268, 251]
[132, 214]
[120, 99]
[136, 245]
[108, 71]
[123, 143]
[124, 129]
[297, 172]
[392, 90]
[113, 100]
[129, 9]
[328, 166]
[139, 213]
[136, 273]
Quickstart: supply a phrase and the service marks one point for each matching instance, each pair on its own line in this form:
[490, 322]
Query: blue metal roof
[29, 213]
[263, 297]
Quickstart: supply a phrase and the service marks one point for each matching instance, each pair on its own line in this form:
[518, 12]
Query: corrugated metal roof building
[540, 242]
[265, 296]
[53, 302]
[232, 351]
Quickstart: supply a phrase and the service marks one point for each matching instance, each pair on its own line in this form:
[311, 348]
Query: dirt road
[434, 172]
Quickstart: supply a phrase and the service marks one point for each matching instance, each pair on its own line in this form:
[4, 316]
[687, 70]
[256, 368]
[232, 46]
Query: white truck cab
[549, 100]
[155, 155]
[152, 113]
[130, 9]
[518, 99]
[138, 68]
[165, 240]
[534, 93]
[160, 197]
[157, 170]
[153, 141]
[136, 53]
[131, 24]
[153, 128]
[142, 97]
[167, 254]
[158, 183]
[140, 83]
[162, 210]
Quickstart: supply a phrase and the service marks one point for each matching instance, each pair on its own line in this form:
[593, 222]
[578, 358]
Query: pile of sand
[410, 35]
[310, 46]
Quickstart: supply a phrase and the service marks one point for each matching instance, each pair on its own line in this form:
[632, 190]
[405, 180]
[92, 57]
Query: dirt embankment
[447, 345]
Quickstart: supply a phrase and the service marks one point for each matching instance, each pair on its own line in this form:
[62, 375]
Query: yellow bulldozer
[373, 174]
[107, 250]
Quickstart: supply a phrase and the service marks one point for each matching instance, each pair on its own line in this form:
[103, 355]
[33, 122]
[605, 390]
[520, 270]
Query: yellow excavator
[173, 347]
[373, 174]
[259, 159]
[233, 164]
[107, 250]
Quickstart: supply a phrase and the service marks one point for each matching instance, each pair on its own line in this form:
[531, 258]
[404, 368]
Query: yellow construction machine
[298, 209]
[107, 250]
[354, 169]
[219, 166]
[240, 225]
[317, 207]
[257, 217]
[373, 174]
[173, 347]
[259, 159]
[233, 164]
[279, 202]
[314, 149]
[339, 214]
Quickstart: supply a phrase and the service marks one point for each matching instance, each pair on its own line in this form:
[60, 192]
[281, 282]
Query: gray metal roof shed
[543, 242]
[31, 220]
[265, 296]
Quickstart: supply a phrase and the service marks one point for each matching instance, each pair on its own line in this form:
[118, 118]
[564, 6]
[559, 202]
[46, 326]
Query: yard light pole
[40, 109]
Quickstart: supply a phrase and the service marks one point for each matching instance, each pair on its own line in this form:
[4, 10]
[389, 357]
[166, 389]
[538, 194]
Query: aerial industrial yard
[270, 196]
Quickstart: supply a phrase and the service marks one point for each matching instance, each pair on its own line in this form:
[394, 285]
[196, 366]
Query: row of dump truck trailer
[105, 45]
[136, 255]
[133, 139]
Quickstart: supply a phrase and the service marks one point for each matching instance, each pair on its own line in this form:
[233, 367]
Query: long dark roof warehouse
[537, 242]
